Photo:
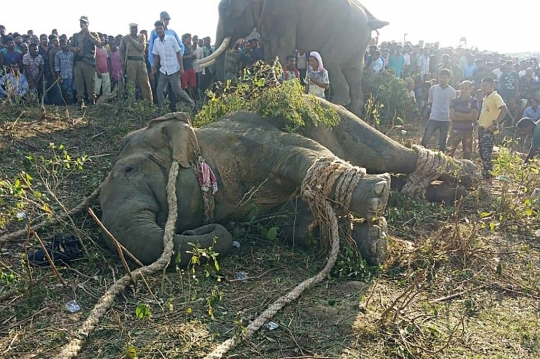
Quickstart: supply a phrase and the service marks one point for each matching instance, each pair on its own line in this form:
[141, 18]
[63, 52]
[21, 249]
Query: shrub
[259, 90]
[386, 94]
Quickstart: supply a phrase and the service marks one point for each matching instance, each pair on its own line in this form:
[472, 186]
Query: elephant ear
[182, 140]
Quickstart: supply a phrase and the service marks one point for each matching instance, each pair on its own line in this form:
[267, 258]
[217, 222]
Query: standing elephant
[252, 162]
[340, 30]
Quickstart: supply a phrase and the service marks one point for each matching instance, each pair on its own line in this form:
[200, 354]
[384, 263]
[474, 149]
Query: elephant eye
[129, 169]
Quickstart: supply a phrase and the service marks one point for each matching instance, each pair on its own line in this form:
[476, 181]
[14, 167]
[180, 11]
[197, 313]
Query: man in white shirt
[199, 72]
[440, 98]
[168, 58]
[377, 63]
[423, 62]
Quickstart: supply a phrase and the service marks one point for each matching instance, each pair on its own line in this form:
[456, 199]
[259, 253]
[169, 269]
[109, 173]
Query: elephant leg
[354, 79]
[438, 191]
[338, 84]
[371, 240]
[294, 219]
[443, 192]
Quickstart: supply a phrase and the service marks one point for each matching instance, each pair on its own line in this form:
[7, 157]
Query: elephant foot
[446, 193]
[212, 236]
[370, 238]
[371, 196]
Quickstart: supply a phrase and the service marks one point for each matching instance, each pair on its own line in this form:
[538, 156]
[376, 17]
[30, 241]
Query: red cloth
[206, 177]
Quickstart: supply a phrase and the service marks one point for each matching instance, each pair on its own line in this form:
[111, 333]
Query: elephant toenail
[380, 187]
[374, 204]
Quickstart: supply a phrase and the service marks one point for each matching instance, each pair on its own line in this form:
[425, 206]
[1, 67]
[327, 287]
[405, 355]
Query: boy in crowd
[439, 99]
[13, 84]
[290, 72]
[463, 113]
[34, 68]
[63, 66]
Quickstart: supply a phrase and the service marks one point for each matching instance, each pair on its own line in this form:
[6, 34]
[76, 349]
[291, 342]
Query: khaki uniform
[84, 68]
[132, 56]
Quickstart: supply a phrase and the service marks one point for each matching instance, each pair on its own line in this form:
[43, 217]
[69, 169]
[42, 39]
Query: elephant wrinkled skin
[339, 29]
[256, 164]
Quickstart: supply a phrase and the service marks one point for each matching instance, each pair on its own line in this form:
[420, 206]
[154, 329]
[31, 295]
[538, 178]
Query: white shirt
[167, 51]
[423, 63]
[377, 65]
[199, 54]
[497, 72]
[407, 59]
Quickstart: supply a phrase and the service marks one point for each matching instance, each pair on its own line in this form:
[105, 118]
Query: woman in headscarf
[316, 77]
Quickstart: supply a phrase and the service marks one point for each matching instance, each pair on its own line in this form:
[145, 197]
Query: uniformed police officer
[132, 51]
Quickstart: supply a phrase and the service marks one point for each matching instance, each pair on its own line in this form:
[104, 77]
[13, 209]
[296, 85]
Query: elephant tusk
[216, 54]
[207, 64]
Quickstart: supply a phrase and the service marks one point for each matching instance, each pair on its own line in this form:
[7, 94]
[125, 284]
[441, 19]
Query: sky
[481, 22]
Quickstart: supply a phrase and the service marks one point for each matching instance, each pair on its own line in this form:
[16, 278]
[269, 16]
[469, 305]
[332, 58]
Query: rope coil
[430, 166]
[72, 348]
[319, 181]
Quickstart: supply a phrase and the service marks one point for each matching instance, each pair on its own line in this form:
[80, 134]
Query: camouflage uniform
[486, 141]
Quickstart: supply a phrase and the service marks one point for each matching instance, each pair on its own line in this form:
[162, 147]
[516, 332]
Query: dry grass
[452, 288]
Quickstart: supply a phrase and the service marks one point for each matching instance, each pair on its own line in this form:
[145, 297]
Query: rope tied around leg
[316, 187]
[72, 348]
[430, 165]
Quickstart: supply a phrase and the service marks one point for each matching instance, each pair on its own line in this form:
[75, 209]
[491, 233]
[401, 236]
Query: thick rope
[55, 219]
[71, 349]
[430, 165]
[315, 191]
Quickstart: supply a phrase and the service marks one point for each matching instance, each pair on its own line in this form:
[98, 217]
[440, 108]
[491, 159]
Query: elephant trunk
[143, 238]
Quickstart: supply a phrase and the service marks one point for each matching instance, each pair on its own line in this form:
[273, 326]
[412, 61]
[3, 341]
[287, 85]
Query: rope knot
[430, 165]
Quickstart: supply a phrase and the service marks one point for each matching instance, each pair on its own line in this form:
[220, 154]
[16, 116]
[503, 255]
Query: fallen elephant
[247, 160]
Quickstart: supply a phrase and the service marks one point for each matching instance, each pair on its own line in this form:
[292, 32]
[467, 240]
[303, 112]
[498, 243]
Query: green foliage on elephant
[388, 99]
[259, 90]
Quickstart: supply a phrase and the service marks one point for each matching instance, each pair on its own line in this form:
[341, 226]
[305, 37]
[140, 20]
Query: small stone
[73, 307]
[236, 244]
[271, 326]
[241, 276]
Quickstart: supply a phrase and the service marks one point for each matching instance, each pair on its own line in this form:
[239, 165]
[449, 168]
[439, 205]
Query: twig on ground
[55, 219]
[458, 294]
[114, 241]
[49, 259]
[13, 293]
[249, 195]
[26, 261]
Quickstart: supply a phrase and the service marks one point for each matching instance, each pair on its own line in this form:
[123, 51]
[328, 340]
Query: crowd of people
[65, 70]
[460, 90]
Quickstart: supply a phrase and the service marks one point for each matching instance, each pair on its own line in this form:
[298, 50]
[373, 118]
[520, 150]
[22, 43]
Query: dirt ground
[461, 281]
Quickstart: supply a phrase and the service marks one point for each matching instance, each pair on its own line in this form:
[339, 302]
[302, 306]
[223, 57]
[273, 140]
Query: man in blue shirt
[533, 111]
[526, 126]
[165, 18]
